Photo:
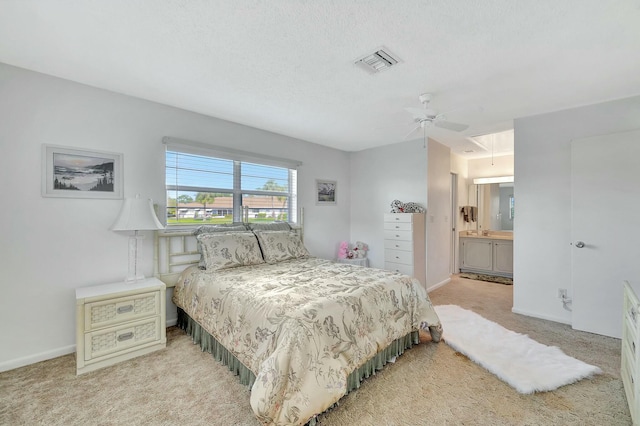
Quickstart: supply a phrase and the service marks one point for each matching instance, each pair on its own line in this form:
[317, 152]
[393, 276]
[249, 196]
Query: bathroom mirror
[496, 205]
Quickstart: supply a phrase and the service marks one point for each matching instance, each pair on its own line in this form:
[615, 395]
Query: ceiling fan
[426, 117]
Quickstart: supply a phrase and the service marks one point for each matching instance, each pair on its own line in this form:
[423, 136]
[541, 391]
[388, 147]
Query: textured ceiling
[287, 65]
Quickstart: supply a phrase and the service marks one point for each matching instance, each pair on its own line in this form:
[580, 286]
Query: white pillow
[229, 250]
[281, 245]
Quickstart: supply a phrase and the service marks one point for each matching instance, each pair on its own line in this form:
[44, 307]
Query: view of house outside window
[210, 190]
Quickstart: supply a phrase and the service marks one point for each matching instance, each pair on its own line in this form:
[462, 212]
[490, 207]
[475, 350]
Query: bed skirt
[209, 344]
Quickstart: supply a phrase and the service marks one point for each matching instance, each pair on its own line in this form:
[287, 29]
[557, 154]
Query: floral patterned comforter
[302, 326]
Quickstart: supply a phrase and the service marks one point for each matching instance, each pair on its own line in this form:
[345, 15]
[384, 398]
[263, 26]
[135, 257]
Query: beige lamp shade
[137, 214]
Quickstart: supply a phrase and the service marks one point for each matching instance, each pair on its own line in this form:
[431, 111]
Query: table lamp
[136, 215]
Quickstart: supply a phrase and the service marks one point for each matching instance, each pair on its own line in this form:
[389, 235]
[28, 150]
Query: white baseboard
[537, 315]
[32, 359]
[54, 353]
[440, 284]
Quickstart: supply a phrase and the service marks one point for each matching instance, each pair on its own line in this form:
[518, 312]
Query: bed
[300, 331]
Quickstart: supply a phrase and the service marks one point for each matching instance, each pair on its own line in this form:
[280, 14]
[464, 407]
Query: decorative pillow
[223, 227]
[221, 250]
[270, 226]
[281, 245]
[209, 229]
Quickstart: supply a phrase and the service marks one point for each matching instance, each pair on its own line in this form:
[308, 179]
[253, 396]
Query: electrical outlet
[562, 293]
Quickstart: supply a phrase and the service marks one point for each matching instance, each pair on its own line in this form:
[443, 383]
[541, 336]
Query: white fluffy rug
[523, 363]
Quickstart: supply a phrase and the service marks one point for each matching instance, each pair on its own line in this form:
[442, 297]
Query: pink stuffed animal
[343, 250]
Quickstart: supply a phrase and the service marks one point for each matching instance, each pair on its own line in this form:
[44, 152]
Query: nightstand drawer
[631, 313]
[630, 365]
[116, 339]
[106, 313]
[629, 338]
[629, 384]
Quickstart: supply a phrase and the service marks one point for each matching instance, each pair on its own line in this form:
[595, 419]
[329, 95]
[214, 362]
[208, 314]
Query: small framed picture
[77, 173]
[326, 192]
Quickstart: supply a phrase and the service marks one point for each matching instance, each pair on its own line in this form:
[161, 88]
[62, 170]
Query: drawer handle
[397, 236]
[633, 347]
[125, 336]
[397, 227]
[397, 218]
[397, 245]
[125, 309]
[397, 257]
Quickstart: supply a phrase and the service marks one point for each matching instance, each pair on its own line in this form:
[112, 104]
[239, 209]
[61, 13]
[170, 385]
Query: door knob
[579, 244]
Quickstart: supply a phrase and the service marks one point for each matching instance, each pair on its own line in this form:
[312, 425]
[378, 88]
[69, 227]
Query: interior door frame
[453, 194]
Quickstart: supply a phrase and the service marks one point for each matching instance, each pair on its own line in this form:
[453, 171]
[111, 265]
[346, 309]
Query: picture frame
[326, 192]
[78, 173]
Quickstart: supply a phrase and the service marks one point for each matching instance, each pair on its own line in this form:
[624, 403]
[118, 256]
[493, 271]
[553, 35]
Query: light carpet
[523, 363]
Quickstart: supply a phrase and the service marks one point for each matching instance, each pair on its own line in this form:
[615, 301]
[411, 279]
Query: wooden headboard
[174, 251]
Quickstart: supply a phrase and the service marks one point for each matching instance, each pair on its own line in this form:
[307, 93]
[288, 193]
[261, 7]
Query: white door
[605, 232]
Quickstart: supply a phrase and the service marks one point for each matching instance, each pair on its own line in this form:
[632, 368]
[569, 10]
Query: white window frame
[238, 157]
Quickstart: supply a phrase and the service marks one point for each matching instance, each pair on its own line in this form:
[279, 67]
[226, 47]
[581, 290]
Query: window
[224, 187]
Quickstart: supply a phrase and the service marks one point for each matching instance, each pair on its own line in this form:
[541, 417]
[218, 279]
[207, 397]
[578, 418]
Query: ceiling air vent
[378, 61]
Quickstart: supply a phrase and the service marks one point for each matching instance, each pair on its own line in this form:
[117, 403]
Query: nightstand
[362, 261]
[119, 321]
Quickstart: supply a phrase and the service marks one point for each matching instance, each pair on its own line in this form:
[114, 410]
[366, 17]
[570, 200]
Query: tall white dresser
[630, 368]
[404, 244]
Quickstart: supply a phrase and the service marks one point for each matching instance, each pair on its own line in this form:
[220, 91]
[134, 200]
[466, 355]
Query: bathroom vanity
[488, 253]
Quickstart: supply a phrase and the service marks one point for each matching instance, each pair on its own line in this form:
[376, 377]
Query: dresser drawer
[398, 245]
[398, 217]
[397, 235]
[398, 256]
[119, 338]
[106, 313]
[398, 226]
[399, 267]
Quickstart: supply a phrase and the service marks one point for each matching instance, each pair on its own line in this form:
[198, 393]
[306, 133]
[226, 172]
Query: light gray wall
[379, 176]
[460, 167]
[50, 246]
[542, 229]
[438, 213]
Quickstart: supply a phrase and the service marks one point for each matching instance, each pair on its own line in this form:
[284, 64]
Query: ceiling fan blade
[412, 132]
[456, 127]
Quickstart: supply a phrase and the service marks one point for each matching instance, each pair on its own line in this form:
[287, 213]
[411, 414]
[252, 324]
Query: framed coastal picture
[78, 173]
[326, 192]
